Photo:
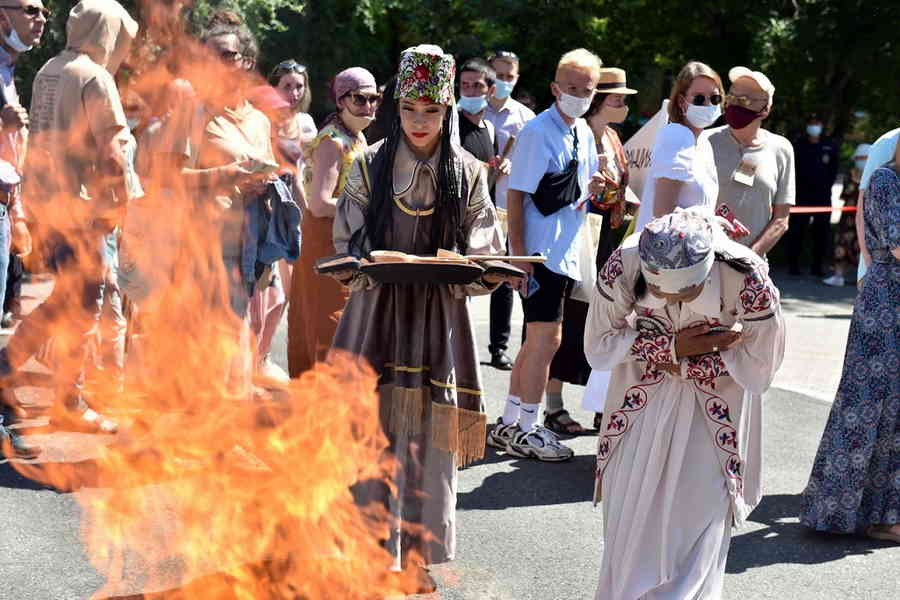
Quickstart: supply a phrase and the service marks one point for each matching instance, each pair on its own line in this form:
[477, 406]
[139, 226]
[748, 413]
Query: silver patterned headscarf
[678, 250]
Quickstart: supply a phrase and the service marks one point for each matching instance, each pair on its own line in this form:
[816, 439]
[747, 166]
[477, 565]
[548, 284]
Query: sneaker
[270, 370]
[500, 435]
[539, 443]
[834, 281]
[13, 445]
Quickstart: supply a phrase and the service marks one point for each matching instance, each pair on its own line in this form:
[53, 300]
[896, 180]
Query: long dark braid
[447, 231]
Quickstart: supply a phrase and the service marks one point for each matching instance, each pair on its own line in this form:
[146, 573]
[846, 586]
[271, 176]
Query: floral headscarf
[678, 250]
[426, 72]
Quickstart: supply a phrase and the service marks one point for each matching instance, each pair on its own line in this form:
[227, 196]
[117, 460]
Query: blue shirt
[546, 145]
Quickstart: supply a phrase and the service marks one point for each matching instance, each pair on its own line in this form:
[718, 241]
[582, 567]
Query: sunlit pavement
[527, 531]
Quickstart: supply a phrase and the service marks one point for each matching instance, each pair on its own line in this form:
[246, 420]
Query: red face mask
[739, 117]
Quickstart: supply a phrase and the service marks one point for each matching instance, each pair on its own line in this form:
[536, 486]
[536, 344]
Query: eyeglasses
[363, 99]
[506, 54]
[701, 99]
[745, 101]
[290, 66]
[31, 11]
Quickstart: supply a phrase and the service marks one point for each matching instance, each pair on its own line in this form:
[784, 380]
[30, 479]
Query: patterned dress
[316, 301]
[855, 480]
[678, 457]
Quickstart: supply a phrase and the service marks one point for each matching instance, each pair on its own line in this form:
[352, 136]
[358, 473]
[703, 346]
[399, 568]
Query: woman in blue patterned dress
[855, 480]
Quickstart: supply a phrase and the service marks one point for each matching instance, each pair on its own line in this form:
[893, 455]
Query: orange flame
[205, 489]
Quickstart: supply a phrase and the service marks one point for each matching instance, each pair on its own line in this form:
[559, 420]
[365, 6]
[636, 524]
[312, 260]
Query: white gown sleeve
[754, 362]
[609, 336]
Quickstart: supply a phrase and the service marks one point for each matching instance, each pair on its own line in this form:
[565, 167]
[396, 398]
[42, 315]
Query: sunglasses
[745, 101]
[701, 99]
[504, 54]
[31, 11]
[230, 56]
[290, 66]
[363, 99]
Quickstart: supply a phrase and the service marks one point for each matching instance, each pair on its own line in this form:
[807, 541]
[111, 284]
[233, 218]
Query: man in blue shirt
[21, 28]
[546, 145]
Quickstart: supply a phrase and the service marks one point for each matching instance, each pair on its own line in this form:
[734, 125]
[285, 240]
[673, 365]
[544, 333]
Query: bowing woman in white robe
[679, 448]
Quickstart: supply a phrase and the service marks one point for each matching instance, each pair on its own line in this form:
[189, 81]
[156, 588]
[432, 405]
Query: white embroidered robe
[679, 457]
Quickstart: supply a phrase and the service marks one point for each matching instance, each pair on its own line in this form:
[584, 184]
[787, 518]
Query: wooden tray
[422, 273]
[341, 262]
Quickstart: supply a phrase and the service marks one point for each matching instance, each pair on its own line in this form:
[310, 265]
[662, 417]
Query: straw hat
[612, 81]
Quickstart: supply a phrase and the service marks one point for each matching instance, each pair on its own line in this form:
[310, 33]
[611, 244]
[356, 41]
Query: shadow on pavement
[531, 483]
[785, 540]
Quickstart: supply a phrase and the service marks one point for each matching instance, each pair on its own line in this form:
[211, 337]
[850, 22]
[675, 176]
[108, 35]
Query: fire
[209, 491]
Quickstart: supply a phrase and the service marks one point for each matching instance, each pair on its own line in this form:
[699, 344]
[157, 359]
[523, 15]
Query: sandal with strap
[562, 423]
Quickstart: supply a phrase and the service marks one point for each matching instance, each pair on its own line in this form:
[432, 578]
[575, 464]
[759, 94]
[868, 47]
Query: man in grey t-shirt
[755, 166]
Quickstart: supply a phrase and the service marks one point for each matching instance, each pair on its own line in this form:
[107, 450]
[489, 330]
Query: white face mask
[702, 117]
[573, 106]
[504, 89]
[13, 40]
[814, 130]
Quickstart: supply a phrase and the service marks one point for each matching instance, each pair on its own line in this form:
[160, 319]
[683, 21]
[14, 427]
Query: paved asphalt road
[527, 531]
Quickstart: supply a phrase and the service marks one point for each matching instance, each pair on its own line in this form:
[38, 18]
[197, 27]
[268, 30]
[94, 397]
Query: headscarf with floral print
[677, 250]
[426, 72]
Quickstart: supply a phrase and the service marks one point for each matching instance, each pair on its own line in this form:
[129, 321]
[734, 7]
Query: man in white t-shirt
[755, 166]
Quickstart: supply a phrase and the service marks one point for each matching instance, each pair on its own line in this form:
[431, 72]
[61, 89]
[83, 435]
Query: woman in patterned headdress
[417, 191]
[678, 459]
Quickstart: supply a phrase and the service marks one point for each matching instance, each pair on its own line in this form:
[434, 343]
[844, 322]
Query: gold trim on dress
[413, 213]
[450, 386]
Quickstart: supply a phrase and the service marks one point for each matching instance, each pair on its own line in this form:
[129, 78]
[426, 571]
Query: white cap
[761, 80]
[862, 150]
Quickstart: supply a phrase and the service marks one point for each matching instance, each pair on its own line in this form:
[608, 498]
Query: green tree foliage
[839, 58]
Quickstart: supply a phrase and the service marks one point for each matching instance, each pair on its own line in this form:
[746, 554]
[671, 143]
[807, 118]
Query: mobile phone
[718, 329]
[533, 286]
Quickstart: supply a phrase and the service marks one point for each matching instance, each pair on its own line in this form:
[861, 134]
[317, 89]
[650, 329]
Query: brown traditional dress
[420, 341]
[316, 301]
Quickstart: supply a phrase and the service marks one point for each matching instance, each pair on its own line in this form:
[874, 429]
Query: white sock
[528, 414]
[511, 411]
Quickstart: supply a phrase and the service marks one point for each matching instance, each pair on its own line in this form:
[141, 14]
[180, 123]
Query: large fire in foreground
[242, 497]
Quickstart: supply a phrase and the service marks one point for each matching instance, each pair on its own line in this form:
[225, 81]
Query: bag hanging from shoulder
[558, 190]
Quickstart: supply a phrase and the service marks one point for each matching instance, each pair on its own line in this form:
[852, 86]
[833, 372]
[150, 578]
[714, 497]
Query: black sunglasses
[363, 99]
[290, 66]
[31, 10]
[504, 54]
[230, 56]
[700, 100]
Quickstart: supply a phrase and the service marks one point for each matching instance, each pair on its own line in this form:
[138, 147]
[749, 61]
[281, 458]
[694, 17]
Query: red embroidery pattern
[757, 295]
[636, 398]
[613, 268]
[653, 348]
[705, 368]
[717, 410]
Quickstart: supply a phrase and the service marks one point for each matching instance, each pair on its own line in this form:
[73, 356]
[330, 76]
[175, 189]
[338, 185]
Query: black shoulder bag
[557, 190]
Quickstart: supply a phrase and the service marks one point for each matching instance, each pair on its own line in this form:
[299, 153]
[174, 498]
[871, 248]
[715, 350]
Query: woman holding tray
[316, 301]
[417, 192]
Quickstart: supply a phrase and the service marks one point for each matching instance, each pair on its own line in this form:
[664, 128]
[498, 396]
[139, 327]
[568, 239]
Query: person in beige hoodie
[77, 176]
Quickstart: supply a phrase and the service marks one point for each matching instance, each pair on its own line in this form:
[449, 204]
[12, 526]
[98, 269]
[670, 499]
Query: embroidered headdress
[678, 250]
[426, 72]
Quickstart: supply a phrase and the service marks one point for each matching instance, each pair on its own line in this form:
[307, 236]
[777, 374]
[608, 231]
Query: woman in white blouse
[683, 173]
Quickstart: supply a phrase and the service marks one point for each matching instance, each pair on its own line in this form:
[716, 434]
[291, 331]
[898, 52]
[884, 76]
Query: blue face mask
[472, 104]
[504, 89]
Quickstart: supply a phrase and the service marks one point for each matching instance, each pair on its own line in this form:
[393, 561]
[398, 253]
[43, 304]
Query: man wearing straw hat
[755, 166]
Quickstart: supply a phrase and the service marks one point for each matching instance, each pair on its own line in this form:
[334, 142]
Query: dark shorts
[546, 304]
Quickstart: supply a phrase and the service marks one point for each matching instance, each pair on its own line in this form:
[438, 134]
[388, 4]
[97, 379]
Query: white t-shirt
[678, 155]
